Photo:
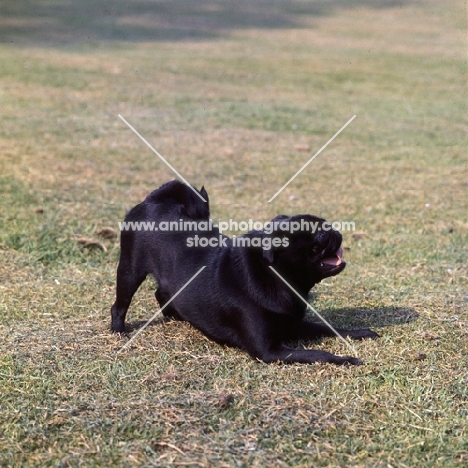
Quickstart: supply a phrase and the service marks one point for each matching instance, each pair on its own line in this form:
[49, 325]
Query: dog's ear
[269, 255]
[281, 245]
[274, 232]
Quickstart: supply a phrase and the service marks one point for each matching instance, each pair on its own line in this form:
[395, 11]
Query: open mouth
[334, 260]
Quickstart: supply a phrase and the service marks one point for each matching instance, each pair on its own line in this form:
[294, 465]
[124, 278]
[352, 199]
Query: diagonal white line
[161, 309]
[311, 159]
[313, 310]
[160, 157]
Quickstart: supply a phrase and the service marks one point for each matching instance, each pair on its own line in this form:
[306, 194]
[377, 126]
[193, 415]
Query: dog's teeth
[321, 264]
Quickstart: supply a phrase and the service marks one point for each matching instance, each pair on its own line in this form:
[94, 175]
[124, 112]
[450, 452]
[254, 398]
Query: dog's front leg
[307, 356]
[262, 347]
[313, 330]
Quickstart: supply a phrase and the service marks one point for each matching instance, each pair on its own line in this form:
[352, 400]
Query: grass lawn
[237, 96]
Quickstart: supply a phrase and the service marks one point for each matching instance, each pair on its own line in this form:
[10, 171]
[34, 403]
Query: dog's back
[178, 193]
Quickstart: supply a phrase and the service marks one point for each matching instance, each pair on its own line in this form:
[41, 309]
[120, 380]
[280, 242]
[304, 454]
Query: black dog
[236, 300]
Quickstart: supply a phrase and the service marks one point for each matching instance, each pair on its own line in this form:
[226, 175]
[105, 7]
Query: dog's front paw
[353, 361]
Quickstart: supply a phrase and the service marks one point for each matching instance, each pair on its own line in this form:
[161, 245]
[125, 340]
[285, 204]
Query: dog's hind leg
[127, 284]
[168, 310]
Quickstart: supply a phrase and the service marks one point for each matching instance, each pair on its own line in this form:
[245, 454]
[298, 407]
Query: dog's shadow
[351, 318]
[364, 317]
[136, 325]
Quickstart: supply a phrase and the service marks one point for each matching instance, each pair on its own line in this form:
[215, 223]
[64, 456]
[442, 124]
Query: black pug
[236, 300]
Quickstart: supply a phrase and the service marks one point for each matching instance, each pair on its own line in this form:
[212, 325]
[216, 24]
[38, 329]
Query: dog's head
[310, 249]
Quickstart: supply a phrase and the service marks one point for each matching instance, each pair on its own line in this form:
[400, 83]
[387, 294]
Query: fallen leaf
[91, 243]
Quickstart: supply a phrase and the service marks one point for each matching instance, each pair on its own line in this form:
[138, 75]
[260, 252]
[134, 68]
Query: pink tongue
[336, 260]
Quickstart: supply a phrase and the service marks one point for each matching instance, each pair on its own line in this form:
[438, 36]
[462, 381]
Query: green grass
[232, 99]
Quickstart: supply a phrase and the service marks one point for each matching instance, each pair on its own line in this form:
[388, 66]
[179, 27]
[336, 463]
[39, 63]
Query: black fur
[236, 300]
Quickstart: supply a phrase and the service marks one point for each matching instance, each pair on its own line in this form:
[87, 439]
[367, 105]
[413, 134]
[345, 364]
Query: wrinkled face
[325, 255]
[313, 250]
